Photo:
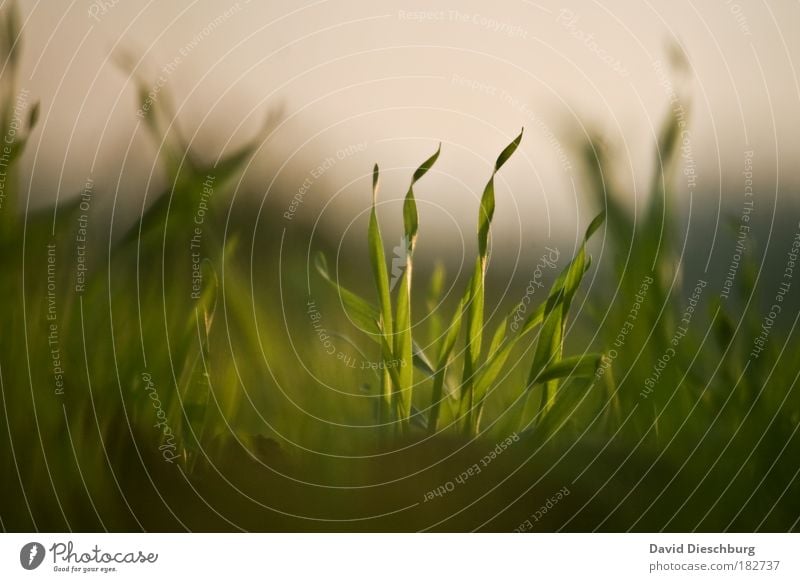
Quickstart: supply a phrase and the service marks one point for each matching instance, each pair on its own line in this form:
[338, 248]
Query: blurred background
[385, 82]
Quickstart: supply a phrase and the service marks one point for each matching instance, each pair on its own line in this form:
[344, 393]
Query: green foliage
[479, 373]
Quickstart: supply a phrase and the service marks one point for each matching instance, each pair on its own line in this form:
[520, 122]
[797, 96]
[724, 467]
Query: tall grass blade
[381, 277]
[403, 352]
[549, 346]
[475, 296]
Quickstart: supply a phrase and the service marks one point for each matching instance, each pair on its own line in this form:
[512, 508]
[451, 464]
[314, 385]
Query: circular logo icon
[31, 555]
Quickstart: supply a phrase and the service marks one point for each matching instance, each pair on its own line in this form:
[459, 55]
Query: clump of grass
[390, 324]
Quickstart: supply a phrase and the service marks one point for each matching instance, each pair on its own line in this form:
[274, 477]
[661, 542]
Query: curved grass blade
[494, 364]
[497, 358]
[572, 367]
[475, 297]
[364, 314]
[403, 349]
[381, 276]
[549, 346]
[378, 262]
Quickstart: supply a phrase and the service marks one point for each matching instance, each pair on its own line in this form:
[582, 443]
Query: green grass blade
[410, 215]
[421, 360]
[572, 367]
[474, 334]
[488, 199]
[498, 337]
[446, 348]
[475, 293]
[403, 348]
[364, 314]
[534, 319]
[549, 346]
[548, 351]
[381, 277]
[497, 359]
[378, 262]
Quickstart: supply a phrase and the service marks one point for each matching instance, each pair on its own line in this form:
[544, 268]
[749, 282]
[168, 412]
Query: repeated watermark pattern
[472, 471]
[607, 359]
[739, 17]
[548, 261]
[329, 346]
[480, 20]
[743, 229]
[82, 236]
[53, 338]
[681, 119]
[569, 20]
[521, 106]
[317, 172]
[760, 342]
[168, 447]
[9, 139]
[168, 69]
[547, 506]
[196, 240]
[100, 8]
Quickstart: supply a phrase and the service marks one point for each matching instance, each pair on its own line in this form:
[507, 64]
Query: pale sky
[366, 82]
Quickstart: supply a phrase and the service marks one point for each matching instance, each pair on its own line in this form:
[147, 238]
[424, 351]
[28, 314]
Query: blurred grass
[267, 429]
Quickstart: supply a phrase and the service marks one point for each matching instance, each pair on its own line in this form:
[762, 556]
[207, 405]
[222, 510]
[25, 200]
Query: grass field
[209, 370]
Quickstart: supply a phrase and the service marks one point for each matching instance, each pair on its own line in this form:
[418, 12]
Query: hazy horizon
[361, 84]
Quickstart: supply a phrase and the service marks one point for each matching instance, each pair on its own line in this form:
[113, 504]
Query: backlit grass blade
[364, 314]
[474, 304]
[381, 277]
[391, 371]
[549, 346]
[494, 363]
[410, 215]
[403, 352]
[378, 262]
[499, 351]
[475, 293]
[498, 337]
[446, 348]
[534, 319]
[421, 361]
[436, 286]
[572, 367]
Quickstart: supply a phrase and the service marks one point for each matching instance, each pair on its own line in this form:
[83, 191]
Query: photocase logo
[31, 555]
[401, 253]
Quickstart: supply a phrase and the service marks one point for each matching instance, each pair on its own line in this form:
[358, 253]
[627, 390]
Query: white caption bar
[401, 557]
